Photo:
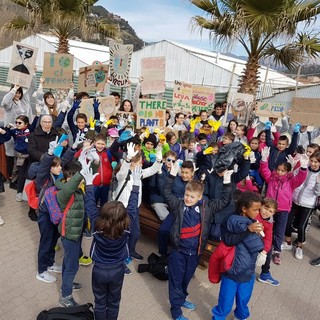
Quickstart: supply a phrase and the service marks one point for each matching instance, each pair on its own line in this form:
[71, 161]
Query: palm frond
[18, 23]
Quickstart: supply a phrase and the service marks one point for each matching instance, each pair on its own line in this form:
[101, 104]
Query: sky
[165, 19]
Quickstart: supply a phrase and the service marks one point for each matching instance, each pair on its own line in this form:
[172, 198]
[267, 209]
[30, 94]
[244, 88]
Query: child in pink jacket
[281, 184]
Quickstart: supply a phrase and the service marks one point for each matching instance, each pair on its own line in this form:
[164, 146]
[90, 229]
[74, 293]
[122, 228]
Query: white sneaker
[46, 277]
[19, 197]
[55, 268]
[1, 221]
[286, 246]
[299, 253]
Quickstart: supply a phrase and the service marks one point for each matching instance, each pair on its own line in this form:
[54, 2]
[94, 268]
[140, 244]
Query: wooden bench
[150, 224]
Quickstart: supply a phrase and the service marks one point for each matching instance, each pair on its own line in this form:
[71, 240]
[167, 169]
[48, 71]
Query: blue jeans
[70, 264]
[101, 194]
[279, 228]
[49, 236]
[106, 286]
[230, 289]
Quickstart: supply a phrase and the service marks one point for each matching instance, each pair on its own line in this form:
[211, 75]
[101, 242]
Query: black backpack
[83, 312]
[157, 266]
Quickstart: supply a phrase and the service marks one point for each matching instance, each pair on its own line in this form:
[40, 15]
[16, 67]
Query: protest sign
[126, 118]
[239, 107]
[23, 61]
[202, 99]
[93, 78]
[270, 109]
[106, 107]
[153, 73]
[151, 113]
[120, 60]
[182, 97]
[305, 111]
[57, 70]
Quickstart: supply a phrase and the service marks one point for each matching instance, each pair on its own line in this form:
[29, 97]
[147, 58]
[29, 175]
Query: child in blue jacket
[109, 250]
[240, 230]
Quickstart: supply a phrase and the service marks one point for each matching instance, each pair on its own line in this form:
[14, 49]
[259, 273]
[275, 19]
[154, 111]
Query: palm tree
[63, 18]
[260, 26]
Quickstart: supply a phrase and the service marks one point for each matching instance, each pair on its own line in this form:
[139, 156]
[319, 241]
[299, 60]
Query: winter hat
[152, 138]
[113, 132]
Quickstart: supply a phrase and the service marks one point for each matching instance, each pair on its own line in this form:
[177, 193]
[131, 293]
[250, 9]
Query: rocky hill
[126, 33]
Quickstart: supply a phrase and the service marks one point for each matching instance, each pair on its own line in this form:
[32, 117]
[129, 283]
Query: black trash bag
[157, 266]
[228, 156]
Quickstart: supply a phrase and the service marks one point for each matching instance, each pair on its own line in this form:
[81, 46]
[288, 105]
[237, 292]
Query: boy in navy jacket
[189, 234]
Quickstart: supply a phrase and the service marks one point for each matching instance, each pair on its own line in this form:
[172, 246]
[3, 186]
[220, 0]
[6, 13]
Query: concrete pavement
[22, 296]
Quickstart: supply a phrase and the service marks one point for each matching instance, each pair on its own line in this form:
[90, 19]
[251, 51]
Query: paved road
[22, 296]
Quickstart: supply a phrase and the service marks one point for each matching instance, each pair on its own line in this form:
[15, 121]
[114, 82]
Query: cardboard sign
[153, 71]
[106, 108]
[270, 109]
[305, 111]
[151, 113]
[23, 61]
[57, 70]
[202, 99]
[120, 60]
[128, 118]
[239, 108]
[182, 97]
[93, 78]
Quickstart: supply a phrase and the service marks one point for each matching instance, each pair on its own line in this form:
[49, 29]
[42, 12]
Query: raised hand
[265, 154]
[137, 175]
[131, 152]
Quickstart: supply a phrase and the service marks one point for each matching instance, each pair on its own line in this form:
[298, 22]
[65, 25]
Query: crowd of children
[249, 187]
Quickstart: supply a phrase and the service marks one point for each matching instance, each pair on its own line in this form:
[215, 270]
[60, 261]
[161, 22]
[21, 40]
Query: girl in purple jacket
[281, 184]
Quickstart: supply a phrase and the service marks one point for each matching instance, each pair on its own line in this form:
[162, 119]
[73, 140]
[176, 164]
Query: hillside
[126, 33]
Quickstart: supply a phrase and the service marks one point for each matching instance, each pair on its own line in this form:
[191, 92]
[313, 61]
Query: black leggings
[301, 217]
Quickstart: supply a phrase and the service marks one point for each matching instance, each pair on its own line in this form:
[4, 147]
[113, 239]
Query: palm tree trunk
[63, 45]
[249, 81]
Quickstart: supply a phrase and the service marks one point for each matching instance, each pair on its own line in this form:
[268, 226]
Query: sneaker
[276, 258]
[128, 260]
[189, 305]
[85, 261]
[1, 221]
[67, 302]
[286, 246]
[127, 271]
[46, 277]
[136, 256]
[295, 242]
[182, 317]
[55, 268]
[315, 262]
[19, 197]
[299, 253]
[76, 286]
[267, 278]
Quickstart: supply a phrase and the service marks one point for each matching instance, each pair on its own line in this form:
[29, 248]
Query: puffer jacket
[280, 188]
[306, 194]
[105, 169]
[207, 212]
[75, 216]
[234, 232]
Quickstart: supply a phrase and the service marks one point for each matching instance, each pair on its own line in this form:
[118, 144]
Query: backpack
[157, 266]
[31, 192]
[82, 312]
[56, 216]
[114, 186]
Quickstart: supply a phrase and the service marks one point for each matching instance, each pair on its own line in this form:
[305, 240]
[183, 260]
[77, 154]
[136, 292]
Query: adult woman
[16, 103]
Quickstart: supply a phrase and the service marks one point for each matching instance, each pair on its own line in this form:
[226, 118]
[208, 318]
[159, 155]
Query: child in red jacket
[268, 208]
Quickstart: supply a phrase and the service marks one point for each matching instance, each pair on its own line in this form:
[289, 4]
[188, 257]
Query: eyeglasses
[171, 160]
[46, 121]
[19, 122]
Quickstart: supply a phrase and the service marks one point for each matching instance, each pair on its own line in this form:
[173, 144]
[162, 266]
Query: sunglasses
[171, 160]
[19, 122]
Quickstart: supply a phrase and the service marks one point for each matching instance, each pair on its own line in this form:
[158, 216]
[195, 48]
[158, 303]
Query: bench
[150, 224]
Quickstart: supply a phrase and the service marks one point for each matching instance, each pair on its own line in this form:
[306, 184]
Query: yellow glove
[214, 124]
[147, 133]
[208, 150]
[156, 131]
[108, 122]
[193, 123]
[162, 138]
[246, 154]
[92, 123]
